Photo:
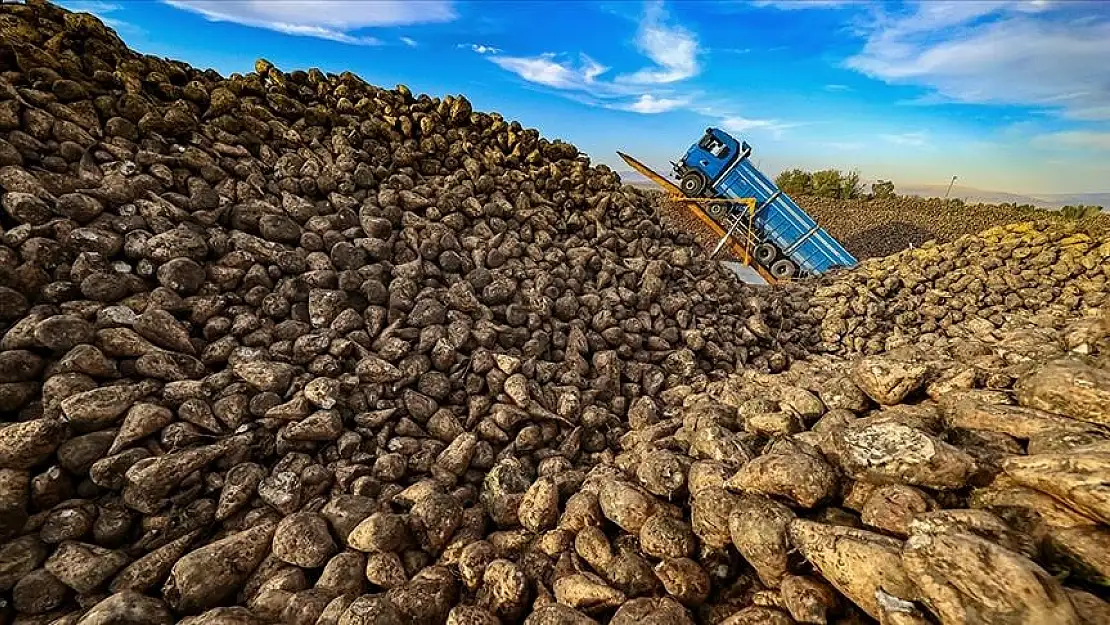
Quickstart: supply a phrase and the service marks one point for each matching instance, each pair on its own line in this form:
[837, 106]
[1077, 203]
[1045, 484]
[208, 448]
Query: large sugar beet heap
[964, 485]
[971, 287]
[293, 343]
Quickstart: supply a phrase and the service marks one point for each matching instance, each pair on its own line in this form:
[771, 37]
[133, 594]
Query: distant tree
[827, 183]
[1080, 211]
[795, 182]
[850, 185]
[882, 190]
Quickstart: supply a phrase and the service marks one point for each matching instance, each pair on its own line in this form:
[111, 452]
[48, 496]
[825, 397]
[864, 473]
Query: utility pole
[949, 188]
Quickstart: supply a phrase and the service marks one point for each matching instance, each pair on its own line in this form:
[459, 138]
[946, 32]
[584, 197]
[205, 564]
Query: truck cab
[704, 162]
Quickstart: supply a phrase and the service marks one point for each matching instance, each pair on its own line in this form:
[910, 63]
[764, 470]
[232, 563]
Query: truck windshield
[714, 146]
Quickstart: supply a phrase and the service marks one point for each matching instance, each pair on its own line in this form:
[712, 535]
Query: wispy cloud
[96, 7]
[836, 87]
[744, 125]
[801, 5]
[335, 20]
[844, 146]
[1010, 53]
[409, 41]
[672, 48]
[674, 52]
[915, 139]
[104, 11]
[547, 70]
[1074, 139]
[480, 48]
[650, 104]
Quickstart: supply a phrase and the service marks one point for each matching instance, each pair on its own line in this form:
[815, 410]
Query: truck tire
[693, 184]
[765, 253]
[783, 269]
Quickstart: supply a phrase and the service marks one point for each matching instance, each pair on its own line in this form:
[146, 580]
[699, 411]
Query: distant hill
[635, 179]
[972, 195]
[1098, 199]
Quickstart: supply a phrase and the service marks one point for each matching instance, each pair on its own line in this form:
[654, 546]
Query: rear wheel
[693, 184]
[717, 210]
[783, 269]
[765, 253]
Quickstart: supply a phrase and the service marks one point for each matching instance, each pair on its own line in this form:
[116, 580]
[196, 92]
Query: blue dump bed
[783, 222]
[789, 241]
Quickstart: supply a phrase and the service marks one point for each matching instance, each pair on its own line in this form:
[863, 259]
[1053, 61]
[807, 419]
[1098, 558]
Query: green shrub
[827, 183]
[830, 183]
[882, 190]
[850, 186]
[1080, 211]
[795, 182]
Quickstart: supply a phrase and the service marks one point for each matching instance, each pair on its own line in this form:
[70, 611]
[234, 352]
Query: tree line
[836, 184]
[830, 183]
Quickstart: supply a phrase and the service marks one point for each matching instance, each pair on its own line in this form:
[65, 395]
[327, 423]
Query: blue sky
[1010, 95]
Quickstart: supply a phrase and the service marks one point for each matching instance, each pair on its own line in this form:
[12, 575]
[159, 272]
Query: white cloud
[1013, 53]
[582, 82]
[96, 7]
[797, 5]
[481, 48]
[335, 20]
[673, 49]
[915, 139]
[591, 69]
[544, 70]
[739, 124]
[844, 146]
[1075, 139]
[837, 88]
[409, 41]
[650, 104]
[103, 10]
[744, 124]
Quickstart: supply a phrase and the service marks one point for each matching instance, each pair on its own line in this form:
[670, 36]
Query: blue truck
[787, 242]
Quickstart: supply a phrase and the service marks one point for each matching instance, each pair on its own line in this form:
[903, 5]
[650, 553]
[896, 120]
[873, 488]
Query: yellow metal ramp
[695, 205]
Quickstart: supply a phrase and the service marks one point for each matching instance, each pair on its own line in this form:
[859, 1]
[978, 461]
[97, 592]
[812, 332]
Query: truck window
[714, 146]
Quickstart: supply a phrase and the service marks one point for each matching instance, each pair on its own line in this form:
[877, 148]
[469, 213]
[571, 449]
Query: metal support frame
[694, 205]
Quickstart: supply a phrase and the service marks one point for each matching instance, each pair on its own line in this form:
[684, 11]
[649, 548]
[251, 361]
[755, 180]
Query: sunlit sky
[1010, 96]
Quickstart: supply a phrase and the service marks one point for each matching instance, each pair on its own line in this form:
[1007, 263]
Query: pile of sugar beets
[970, 287]
[290, 348]
[871, 227]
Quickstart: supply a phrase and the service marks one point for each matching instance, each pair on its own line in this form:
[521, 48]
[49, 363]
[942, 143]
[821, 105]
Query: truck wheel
[783, 269]
[693, 184]
[765, 253]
